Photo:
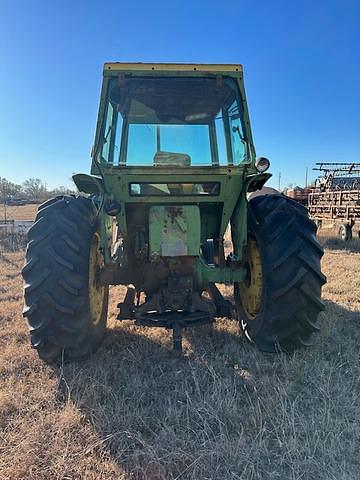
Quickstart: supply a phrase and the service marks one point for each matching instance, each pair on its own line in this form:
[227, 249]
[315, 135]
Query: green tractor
[168, 212]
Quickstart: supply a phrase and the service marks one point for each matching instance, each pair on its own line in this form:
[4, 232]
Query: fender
[256, 181]
[89, 184]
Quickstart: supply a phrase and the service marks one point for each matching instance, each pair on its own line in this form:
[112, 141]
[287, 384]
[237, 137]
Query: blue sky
[301, 62]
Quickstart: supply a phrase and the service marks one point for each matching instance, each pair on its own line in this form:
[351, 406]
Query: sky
[301, 63]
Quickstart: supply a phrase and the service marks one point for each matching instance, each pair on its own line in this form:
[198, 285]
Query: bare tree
[8, 190]
[35, 189]
[62, 191]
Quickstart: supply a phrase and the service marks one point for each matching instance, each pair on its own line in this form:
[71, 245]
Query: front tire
[279, 304]
[65, 308]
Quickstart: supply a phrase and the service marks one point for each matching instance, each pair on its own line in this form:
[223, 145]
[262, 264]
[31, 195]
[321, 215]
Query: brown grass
[21, 212]
[223, 411]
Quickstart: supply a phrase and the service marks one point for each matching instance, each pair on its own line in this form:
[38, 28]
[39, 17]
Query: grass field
[223, 411]
[21, 212]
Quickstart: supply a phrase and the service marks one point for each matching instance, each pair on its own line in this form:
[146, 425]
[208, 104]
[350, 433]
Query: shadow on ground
[223, 410]
[333, 243]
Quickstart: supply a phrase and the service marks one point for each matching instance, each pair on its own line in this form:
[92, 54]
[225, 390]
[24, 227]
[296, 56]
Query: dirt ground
[223, 411]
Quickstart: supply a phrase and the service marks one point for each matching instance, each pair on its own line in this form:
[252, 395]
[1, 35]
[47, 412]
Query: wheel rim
[342, 233]
[96, 291]
[251, 290]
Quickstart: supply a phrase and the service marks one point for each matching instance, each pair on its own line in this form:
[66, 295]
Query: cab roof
[173, 67]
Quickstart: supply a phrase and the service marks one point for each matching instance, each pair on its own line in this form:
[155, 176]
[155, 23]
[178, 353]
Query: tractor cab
[156, 117]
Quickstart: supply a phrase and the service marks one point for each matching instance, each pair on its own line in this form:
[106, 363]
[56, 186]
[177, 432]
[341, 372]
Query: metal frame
[330, 203]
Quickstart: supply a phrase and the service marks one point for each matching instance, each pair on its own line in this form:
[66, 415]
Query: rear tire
[65, 308]
[282, 313]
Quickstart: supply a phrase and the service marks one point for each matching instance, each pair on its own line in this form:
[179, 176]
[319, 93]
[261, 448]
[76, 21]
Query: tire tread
[291, 268]
[55, 276]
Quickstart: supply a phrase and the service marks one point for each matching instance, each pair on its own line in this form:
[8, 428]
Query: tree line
[31, 190]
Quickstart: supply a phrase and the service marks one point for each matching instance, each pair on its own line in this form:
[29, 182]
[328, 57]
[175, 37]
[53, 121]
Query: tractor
[174, 207]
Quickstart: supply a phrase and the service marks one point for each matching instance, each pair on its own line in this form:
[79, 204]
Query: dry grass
[223, 411]
[21, 212]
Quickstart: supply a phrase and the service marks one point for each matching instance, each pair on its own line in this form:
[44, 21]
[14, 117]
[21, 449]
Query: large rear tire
[65, 308]
[279, 304]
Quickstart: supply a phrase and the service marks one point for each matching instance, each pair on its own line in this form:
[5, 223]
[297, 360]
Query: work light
[262, 164]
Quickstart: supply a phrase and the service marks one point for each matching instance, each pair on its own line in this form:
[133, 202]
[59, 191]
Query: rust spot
[175, 212]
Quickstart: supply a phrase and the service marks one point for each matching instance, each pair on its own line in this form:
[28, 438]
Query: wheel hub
[251, 290]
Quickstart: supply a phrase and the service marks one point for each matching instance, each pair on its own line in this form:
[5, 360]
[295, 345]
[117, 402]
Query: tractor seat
[171, 158]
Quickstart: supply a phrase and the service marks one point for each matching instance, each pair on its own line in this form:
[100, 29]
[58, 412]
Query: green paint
[174, 231]
[176, 222]
[205, 274]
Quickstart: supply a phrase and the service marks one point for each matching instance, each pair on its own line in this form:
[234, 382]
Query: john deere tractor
[167, 211]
